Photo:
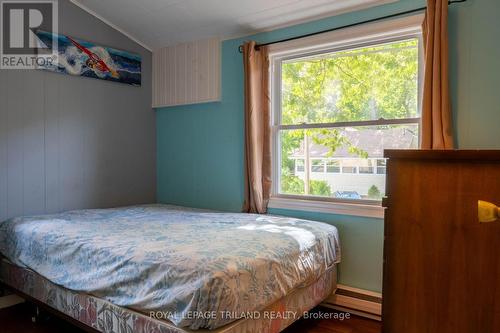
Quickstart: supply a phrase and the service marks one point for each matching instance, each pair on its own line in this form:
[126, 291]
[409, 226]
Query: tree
[320, 187]
[291, 184]
[361, 84]
[374, 192]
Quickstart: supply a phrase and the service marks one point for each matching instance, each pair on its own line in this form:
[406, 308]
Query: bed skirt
[103, 316]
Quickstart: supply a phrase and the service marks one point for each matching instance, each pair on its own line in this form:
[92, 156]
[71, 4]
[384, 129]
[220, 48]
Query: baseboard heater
[357, 301]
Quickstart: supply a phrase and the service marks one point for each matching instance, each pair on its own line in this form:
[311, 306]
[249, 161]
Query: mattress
[191, 265]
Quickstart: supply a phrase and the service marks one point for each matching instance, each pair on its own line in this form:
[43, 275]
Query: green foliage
[295, 185]
[320, 187]
[291, 184]
[374, 192]
[361, 84]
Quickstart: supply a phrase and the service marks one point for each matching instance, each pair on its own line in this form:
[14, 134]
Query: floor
[18, 319]
[353, 324]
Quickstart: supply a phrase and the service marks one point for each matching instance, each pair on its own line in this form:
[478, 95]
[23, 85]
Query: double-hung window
[338, 104]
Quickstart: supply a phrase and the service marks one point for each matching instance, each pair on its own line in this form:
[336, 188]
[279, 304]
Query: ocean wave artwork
[82, 58]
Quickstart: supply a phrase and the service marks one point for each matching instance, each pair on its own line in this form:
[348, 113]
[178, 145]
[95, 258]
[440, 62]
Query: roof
[372, 141]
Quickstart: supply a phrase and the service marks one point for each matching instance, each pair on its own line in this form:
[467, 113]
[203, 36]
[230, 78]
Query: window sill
[329, 207]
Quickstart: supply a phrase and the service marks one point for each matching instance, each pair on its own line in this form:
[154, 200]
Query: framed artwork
[82, 58]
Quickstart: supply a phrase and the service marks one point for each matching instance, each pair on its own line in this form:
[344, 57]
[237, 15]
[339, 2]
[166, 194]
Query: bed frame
[94, 314]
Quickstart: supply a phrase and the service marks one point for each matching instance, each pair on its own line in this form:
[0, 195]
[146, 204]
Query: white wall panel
[187, 73]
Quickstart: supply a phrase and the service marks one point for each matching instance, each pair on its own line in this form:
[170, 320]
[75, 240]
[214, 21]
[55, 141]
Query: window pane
[365, 169]
[299, 165]
[353, 156]
[333, 166]
[317, 166]
[366, 166]
[381, 169]
[349, 169]
[367, 83]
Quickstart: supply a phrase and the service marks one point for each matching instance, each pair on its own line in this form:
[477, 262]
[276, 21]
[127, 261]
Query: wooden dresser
[441, 265]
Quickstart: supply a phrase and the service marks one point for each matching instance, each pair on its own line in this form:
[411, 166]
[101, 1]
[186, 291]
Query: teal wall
[200, 147]
[475, 73]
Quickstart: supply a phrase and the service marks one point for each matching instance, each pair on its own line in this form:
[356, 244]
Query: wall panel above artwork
[187, 73]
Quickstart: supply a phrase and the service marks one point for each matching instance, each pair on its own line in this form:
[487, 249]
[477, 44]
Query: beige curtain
[257, 129]
[437, 132]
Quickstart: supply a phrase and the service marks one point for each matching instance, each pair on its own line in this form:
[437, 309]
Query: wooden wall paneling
[15, 142]
[3, 146]
[70, 142]
[33, 152]
[52, 105]
[187, 73]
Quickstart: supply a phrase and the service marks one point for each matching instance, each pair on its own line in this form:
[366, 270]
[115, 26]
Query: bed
[162, 268]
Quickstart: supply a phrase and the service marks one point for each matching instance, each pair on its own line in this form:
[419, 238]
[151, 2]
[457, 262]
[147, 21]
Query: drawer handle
[487, 212]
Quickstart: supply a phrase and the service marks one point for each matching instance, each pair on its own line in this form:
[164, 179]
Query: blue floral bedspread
[195, 266]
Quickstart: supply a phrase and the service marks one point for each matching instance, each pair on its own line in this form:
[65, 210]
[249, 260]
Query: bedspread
[200, 268]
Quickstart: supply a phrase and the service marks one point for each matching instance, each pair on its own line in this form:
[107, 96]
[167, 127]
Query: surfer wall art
[81, 58]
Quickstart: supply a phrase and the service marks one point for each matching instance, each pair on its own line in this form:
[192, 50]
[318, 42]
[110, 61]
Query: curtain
[257, 129]
[437, 132]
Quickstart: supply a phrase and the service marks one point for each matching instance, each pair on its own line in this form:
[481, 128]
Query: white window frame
[359, 36]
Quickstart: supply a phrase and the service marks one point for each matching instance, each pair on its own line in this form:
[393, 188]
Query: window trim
[319, 205]
[376, 122]
[364, 35]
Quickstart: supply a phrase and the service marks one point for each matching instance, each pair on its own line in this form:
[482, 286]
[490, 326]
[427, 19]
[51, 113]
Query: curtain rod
[450, 2]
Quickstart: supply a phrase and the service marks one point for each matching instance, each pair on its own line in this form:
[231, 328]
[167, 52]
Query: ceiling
[158, 23]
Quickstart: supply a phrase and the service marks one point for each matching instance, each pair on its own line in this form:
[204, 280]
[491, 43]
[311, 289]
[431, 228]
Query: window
[339, 108]
[299, 165]
[317, 166]
[381, 167]
[333, 166]
[365, 166]
[349, 166]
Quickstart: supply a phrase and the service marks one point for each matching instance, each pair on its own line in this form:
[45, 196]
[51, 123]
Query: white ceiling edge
[99, 17]
[292, 23]
[347, 9]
